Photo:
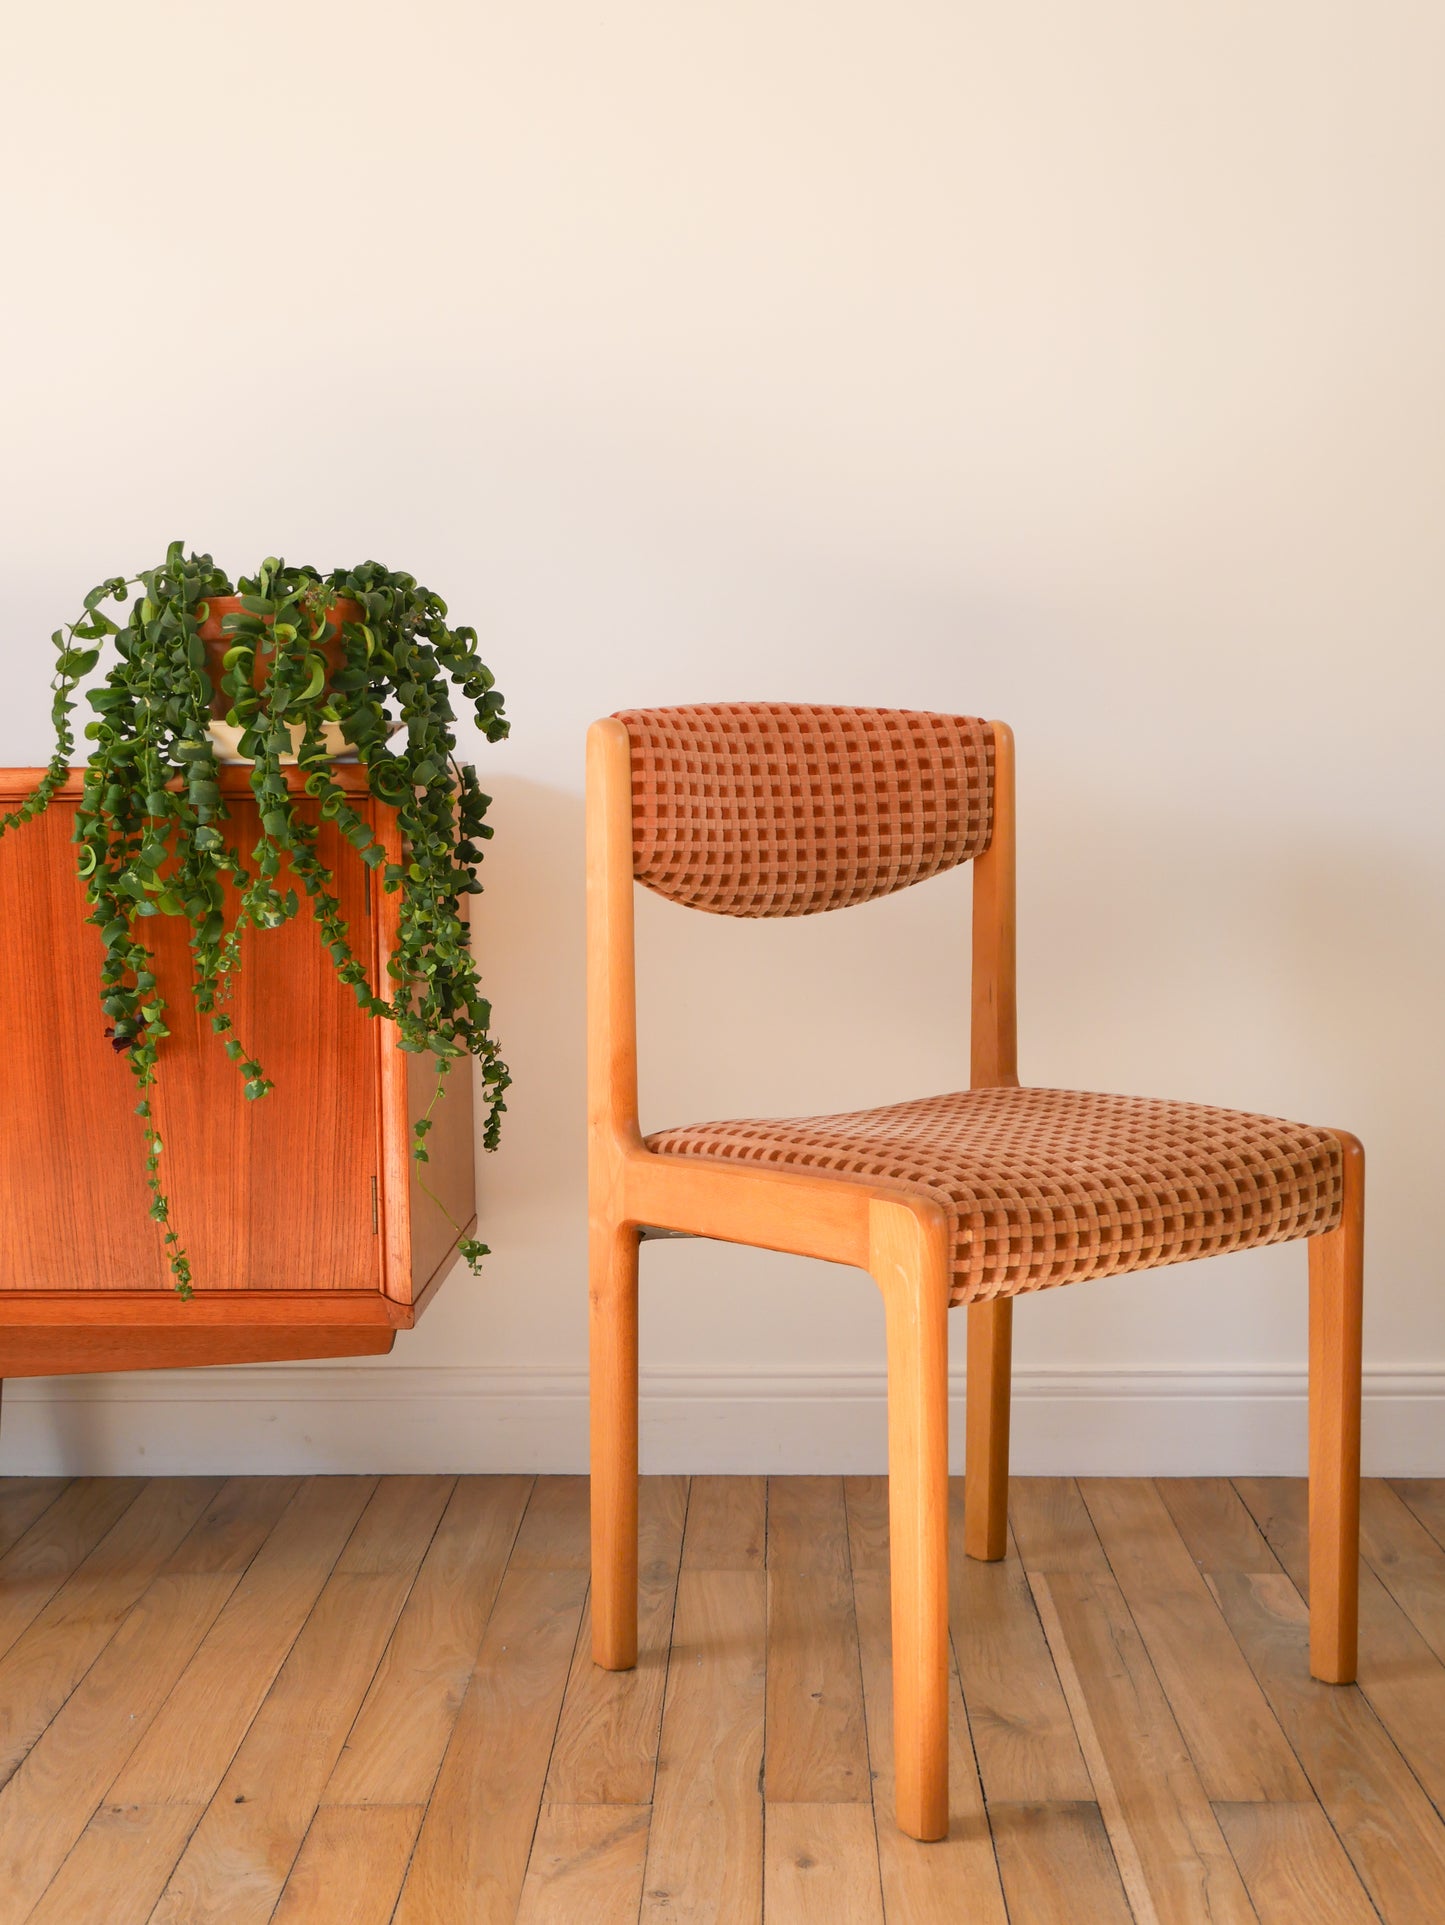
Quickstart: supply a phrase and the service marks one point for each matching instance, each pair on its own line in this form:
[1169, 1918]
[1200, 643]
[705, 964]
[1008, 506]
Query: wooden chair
[968, 1198]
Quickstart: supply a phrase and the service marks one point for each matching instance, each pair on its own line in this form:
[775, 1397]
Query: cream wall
[1079, 364]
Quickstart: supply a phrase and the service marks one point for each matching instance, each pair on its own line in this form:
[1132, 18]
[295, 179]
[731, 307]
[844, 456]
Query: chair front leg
[613, 1317]
[1336, 1315]
[909, 1259]
[986, 1416]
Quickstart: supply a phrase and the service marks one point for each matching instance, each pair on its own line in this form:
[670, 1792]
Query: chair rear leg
[909, 1260]
[613, 1296]
[1336, 1301]
[986, 1419]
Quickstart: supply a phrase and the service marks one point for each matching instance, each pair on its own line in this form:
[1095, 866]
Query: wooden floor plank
[817, 1751]
[1384, 1820]
[52, 1797]
[234, 1525]
[240, 1701]
[586, 1863]
[606, 1747]
[1171, 1854]
[820, 1865]
[52, 1655]
[956, 1877]
[866, 1499]
[726, 1524]
[1406, 1558]
[1057, 1865]
[1426, 1498]
[59, 1541]
[241, 1853]
[1238, 1748]
[816, 1734]
[1400, 1675]
[350, 1867]
[470, 1860]
[118, 1867]
[1023, 1735]
[396, 1746]
[1294, 1867]
[185, 1754]
[1217, 1530]
[54, 1793]
[808, 1527]
[555, 1534]
[705, 1848]
[1052, 1527]
[23, 1501]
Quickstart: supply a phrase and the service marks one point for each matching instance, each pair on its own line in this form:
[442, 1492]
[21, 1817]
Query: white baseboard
[384, 1417]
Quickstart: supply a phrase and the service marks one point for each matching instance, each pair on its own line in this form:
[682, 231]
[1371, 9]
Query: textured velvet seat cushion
[779, 809]
[1046, 1187]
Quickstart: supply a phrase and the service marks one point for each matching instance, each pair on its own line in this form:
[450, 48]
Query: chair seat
[1046, 1187]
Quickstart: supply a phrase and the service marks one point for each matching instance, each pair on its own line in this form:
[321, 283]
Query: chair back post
[611, 955]
[994, 1025]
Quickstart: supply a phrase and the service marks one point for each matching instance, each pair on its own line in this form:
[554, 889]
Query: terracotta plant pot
[217, 643]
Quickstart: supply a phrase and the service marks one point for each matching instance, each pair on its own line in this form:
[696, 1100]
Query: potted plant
[285, 670]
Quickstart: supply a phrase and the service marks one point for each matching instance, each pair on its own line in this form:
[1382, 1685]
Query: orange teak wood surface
[307, 1234]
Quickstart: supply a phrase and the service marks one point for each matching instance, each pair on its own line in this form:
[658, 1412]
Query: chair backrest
[777, 809]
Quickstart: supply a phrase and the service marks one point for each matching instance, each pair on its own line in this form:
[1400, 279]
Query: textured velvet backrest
[776, 809]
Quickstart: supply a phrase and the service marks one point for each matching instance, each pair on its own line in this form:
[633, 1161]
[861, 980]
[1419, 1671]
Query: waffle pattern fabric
[1046, 1187]
[775, 809]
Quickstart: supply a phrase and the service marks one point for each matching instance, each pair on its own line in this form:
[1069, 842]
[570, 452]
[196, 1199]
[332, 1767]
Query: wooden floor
[361, 1699]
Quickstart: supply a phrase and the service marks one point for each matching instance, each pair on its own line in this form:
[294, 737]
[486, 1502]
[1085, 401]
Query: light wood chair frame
[903, 1243]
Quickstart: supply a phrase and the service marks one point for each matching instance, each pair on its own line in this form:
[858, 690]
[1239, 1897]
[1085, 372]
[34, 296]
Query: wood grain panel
[67, 1101]
[447, 1206]
[265, 1195]
[75, 1349]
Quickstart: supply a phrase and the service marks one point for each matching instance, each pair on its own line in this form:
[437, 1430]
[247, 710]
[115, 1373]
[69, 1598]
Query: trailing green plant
[148, 821]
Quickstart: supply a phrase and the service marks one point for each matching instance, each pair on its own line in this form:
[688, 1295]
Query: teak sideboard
[308, 1233]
